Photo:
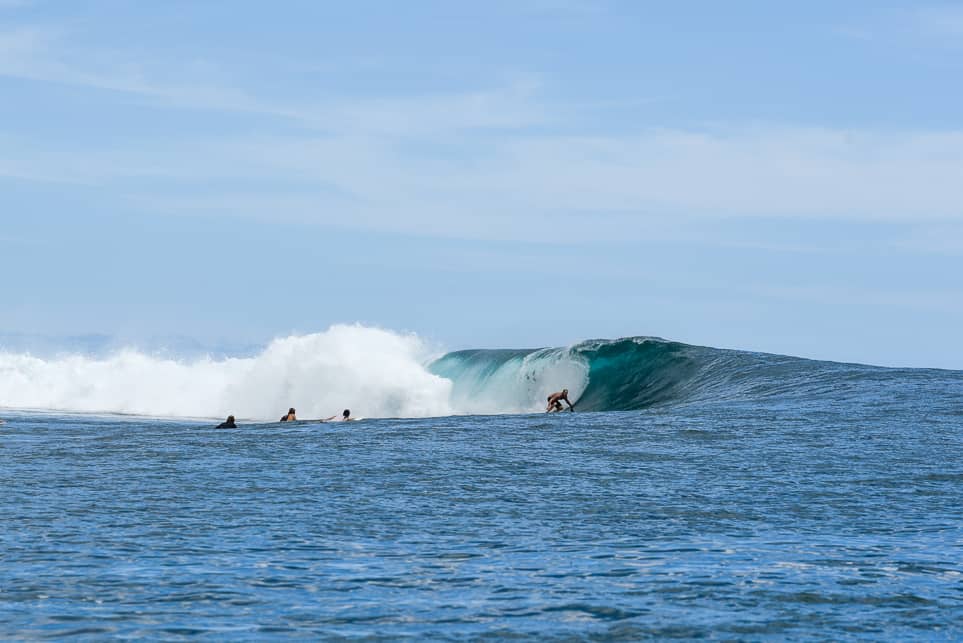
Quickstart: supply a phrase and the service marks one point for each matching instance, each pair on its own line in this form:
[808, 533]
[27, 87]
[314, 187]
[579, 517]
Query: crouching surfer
[555, 402]
[228, 423]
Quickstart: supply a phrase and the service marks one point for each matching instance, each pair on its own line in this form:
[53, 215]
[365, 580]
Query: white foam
[520, 385]
[373, 372]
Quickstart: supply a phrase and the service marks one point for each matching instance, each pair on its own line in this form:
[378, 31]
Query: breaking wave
[378, 373]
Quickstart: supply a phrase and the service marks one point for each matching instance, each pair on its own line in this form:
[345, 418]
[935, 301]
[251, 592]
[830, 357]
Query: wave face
[377, 373]
[602, 375]
[643, 372]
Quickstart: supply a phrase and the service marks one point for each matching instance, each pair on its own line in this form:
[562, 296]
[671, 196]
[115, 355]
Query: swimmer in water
[228, 423]
[290, 416]
[345, 417]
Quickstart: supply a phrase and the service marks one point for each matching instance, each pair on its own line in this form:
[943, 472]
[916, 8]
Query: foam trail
[374, 372]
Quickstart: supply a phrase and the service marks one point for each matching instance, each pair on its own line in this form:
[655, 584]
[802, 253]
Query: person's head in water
[230, 419]
[346, 414]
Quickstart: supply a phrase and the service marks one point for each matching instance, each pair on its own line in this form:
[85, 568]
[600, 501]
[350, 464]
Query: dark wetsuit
[227, 425]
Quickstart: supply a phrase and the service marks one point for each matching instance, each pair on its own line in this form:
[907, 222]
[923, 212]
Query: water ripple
[739, 522]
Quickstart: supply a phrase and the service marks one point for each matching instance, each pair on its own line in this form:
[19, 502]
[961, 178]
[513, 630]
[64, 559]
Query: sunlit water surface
[728, 521]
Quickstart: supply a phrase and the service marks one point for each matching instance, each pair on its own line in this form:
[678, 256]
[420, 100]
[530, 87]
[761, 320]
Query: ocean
[694, 493]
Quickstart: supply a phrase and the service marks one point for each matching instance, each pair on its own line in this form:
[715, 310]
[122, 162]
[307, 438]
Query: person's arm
[571, 407]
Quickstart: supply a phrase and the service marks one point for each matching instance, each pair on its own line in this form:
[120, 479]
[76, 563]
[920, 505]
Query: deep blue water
[829, 517]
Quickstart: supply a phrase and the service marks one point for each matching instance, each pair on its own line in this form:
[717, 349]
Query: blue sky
[753, 175]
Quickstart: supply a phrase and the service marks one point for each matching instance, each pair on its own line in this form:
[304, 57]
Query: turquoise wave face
[601, 375]
[642, 372]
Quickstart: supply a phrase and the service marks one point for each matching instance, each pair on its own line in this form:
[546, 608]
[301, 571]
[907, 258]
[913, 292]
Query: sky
[781, 177]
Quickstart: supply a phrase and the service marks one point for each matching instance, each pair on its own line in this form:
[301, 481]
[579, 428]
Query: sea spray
[372, 371]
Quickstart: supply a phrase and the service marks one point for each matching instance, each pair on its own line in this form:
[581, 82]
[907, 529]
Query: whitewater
[377, 372]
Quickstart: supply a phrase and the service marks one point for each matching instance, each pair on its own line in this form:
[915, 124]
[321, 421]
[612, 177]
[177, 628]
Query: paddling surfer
[228, 423]
[290, 416]
[555, 402]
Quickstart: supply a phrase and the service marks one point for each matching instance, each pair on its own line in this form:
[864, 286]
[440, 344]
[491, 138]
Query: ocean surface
[694, 493]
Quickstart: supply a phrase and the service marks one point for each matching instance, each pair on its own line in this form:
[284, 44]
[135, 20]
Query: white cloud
[519, 185]
[778, 171]
[574, 8]
[41, 54]
[417, 163]
[922, 27]
[945, 20]
[621, 182]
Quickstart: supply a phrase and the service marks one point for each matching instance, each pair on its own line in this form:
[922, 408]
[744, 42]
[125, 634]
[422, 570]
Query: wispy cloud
[412, 161]
[938, 25]
[41, 54]
[940, 19]
[575, 8]
[513, 186]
